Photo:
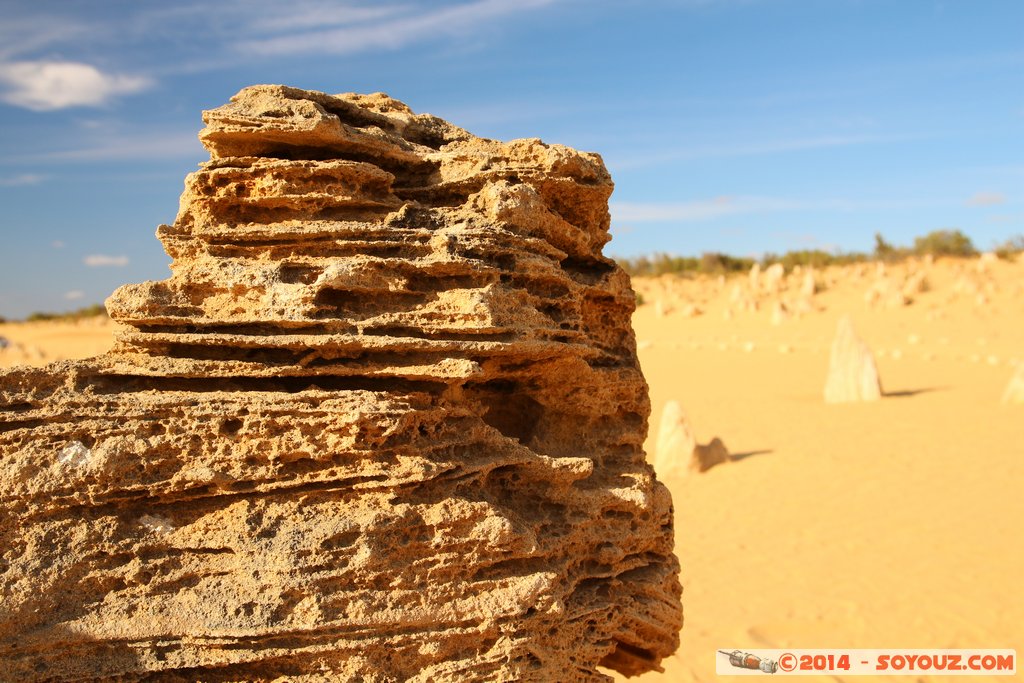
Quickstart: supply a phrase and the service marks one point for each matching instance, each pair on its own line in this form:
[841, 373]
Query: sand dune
[894, 523]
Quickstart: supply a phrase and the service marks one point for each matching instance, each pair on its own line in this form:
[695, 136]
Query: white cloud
[986, 199]
[276, 17]
[155, 145]
[707, 209]
[759, 148]
[1007, 218]
[699, 210]
[46, 86]
[74, 295]
[101, 260]
[57, 244]
[20, 35]
[117, 144]
[206, 36]
[390, 33]
[21, 180]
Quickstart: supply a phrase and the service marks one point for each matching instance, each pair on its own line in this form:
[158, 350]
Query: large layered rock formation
[384, 422]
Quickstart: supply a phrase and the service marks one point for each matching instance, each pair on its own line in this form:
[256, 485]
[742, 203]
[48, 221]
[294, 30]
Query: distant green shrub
[944, 243]
[937, 243]
[715, 263]
[886, 251]
[657, 264]
[810, 258]
[87, 312]
[1011, 248]
[710, 263]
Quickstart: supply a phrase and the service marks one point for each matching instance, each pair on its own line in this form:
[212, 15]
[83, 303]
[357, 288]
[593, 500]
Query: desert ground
[893, 523]
[39, 343]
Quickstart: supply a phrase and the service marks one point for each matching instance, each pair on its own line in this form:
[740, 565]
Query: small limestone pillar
[852, 374]
[677, 451]
[1015, 389]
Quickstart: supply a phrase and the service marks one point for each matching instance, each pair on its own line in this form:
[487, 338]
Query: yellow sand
[897, 523]
[39, 343]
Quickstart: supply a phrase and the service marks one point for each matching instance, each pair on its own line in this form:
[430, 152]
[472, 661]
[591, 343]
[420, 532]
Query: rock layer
[384, 422]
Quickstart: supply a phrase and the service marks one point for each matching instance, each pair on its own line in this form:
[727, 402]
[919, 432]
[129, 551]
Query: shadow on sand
[736, 457]
[904, 393]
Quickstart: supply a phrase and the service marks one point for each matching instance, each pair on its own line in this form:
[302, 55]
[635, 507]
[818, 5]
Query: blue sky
[743, 126]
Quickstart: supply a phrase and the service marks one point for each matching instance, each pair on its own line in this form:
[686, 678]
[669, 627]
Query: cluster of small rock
[785, 295]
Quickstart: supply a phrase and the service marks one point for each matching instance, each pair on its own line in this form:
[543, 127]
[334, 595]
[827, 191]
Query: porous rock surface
[384, 422]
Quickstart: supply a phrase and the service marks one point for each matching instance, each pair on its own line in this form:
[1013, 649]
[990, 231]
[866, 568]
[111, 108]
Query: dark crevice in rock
[114, 384]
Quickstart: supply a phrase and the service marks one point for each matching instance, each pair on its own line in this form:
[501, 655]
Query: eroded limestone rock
[1014, 392]
[808, 285]
[772, 280]
[706, 456]
[676, 440]
[383, 422]
[852, 373]
[677, 452]
[779, 313]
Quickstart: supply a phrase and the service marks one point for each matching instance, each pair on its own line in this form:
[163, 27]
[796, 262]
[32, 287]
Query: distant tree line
[87, 312]
[936, 243]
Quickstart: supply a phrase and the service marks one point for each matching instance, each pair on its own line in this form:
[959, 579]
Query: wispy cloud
[716, 207]
[126, 146]
[50, 85]
[699, 210]
[277, 17]
[20, 35]
[104, 260]
[986, 199]
[58, 244]
[206, 36]
[393, 29]
[74, 295]
[21, 180]
[743, 149]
